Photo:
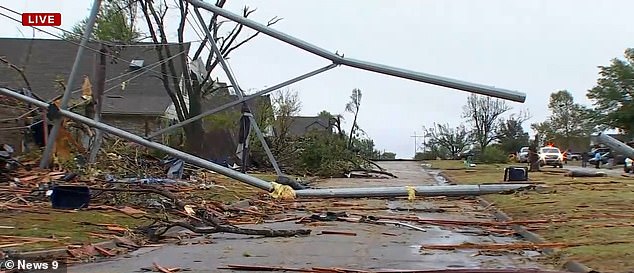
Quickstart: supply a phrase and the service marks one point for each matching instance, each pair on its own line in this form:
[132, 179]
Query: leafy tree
[568, 123]
[365, 148]
[335, 120]
[483, 112]
[493, 154]
[614, 94]
[325, 155]
[388, 155]
[453, 140]
[353, 107]
[432, 151]
[116, 22]
[510, 133]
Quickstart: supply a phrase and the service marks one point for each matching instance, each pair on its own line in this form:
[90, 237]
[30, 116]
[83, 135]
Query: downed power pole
[364, 65]
[616, 145]
[456, 190]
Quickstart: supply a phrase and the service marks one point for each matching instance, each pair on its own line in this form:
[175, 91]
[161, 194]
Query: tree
[568, 123]
[453, 140]
[364, 147]
[286, 105]
[116, 22]
[353, 107]
[510, 133]
[187, 94]
[614, 94]
[483, 112]
[335, 120]
[388, 155]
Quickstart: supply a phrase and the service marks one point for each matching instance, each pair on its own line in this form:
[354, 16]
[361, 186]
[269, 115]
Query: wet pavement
[374, 246]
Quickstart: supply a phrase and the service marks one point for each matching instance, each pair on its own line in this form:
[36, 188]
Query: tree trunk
[194, 132]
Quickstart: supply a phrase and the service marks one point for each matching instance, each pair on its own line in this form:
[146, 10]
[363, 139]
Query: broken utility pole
[97, 98]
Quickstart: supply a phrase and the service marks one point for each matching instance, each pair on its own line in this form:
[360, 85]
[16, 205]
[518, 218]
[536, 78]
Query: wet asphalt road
[375, 246]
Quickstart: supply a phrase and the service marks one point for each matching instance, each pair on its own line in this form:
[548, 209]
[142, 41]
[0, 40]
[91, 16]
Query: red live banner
[41, 19]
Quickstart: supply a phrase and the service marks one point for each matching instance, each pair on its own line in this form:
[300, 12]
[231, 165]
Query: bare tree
[286, 105]
[194, 86]
[454, 140]
[483, 112]
[353, 107]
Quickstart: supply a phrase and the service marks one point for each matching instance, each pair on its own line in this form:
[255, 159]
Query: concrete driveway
[373, 247]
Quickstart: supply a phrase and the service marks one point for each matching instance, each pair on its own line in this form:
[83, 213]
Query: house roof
[46, 61]
[300, 125]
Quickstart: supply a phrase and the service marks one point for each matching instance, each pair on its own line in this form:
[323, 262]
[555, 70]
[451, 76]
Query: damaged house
[134, 97]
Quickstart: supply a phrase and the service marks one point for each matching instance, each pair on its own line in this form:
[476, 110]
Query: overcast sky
[535, 47]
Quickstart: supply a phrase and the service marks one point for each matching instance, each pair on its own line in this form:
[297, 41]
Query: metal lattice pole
[239, 92]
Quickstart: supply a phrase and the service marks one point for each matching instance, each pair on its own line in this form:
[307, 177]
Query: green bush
[493, 154]
[326, 155]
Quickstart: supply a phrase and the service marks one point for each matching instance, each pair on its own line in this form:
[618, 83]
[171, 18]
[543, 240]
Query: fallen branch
[235, 230]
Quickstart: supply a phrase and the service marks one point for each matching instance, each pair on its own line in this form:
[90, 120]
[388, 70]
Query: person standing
[628, 165]
[597, 160]
[585, 156]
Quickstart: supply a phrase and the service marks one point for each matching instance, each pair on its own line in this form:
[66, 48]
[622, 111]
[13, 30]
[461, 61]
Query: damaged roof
[130, 90]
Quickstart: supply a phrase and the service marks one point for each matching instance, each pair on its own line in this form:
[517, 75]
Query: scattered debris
[347, 270]
[337, 232]
[514, 246]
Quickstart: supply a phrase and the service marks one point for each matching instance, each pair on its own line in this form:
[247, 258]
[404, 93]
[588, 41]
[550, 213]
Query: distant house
[134, 100]
[301, 125]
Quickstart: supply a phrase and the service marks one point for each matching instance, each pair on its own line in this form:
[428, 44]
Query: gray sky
[535, 47]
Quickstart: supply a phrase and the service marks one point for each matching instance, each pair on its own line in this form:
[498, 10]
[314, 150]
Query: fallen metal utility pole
[57, 123]
[453, 190]
[239, 92]
[456, 190]
[236, 102]
[369, 66]
[150, 144]
[615, 144]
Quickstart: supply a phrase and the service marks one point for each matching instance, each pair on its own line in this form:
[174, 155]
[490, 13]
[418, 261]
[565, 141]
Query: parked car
[522, 155]
[550, 156]
[573, 156]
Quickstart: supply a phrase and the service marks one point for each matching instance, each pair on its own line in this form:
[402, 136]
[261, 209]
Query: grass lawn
[69, 227]
[598, 211]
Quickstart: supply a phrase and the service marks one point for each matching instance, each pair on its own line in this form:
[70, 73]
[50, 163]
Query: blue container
[70, 197]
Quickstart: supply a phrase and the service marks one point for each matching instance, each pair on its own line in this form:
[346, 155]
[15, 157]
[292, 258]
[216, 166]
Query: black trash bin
[516, 174]
[70, 197]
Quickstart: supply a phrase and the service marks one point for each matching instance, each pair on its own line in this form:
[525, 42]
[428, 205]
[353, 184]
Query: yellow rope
[282, 191]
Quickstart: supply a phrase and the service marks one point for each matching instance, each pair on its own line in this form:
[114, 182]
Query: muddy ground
[373, 247]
